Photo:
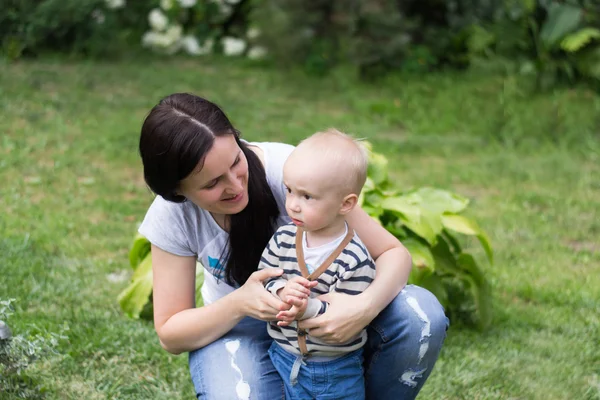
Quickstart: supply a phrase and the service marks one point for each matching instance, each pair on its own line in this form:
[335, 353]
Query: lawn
[72, 195]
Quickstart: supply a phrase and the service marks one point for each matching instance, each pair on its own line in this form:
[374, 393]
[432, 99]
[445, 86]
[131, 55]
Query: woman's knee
[415, 311]
[422, 305]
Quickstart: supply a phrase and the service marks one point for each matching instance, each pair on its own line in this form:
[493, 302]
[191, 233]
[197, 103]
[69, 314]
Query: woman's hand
[257, 302]
[345, 318]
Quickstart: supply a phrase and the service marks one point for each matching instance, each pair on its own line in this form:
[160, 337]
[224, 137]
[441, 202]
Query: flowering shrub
[199, 27]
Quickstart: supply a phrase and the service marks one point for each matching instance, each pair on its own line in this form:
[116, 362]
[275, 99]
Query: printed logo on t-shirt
[216, 267]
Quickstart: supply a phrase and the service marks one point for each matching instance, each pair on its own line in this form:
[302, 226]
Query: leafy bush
[87, 27]
[374, 35]
[425, 220]
[19, 352]
[555, 40]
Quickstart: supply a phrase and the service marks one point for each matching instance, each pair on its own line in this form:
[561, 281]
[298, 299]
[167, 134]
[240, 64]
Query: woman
[219, 200]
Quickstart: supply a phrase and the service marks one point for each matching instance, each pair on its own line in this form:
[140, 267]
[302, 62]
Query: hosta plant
[426, 221]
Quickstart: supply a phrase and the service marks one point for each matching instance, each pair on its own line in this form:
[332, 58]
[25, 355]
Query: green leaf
[479, 39]
[369, 186]
[373, 198]
[397, 229]
[436, 200]
[401, 206]
[480, 289]
[374, 212]
[577, 40]
[199, 283]
[434, 284]
[465, 269]
[445, 261]
[135, 296]
[416, 219]
[562, 19]
[464, 225]
[587, 62]
[422, 259]
[139, 250]
[456, 247]
[420, 252]
[378, 166]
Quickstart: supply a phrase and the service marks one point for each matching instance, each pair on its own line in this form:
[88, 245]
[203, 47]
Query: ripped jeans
[403, 344]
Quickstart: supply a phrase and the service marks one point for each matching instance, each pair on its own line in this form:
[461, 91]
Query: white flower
[225, 9]
[114, 4]
[174, 33]
[207, 47]
[150, 38]
[157, 20]
[187, 3]
[168, 42]
[253, 33]
[166, 4]
[233, 46]
[257, 52]
[98, 16]
[191, 46]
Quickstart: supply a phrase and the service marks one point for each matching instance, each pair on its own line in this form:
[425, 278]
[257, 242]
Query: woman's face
[221, 185]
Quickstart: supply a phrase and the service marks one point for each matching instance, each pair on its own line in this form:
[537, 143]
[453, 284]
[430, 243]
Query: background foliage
[553, 41]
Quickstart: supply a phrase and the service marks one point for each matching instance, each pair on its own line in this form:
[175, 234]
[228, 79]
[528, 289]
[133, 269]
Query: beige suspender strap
[300, 258]
[316, 273]
[300, 252]
[302, 341]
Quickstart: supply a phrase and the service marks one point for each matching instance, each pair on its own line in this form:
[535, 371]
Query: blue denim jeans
[403, 344]
[340, 378]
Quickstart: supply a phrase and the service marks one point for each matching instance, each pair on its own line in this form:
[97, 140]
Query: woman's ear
[348, 203]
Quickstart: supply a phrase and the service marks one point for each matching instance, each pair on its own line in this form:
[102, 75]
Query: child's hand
[296, 290]
[296, 312]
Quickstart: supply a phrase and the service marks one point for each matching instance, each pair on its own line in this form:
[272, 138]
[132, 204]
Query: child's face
[313, 199]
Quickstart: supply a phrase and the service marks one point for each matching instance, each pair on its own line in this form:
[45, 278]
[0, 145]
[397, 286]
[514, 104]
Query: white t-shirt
[185, 229]
[314, 256]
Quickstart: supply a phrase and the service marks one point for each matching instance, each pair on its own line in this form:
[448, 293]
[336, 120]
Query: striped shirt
[350, 273]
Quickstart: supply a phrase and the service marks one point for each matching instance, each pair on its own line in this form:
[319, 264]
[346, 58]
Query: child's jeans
[340, 378]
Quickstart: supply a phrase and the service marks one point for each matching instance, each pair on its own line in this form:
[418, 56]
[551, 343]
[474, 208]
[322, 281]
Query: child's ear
[348, 203]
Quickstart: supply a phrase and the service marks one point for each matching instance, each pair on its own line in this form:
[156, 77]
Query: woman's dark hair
[176, 136]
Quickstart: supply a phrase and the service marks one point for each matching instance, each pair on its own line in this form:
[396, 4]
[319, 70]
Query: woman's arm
[393, 262]
[348, 315]
[182, 327]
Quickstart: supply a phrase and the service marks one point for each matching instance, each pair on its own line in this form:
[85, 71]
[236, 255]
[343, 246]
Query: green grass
[72, 194]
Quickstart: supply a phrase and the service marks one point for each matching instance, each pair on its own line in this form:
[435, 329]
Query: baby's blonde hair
[344, 151]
